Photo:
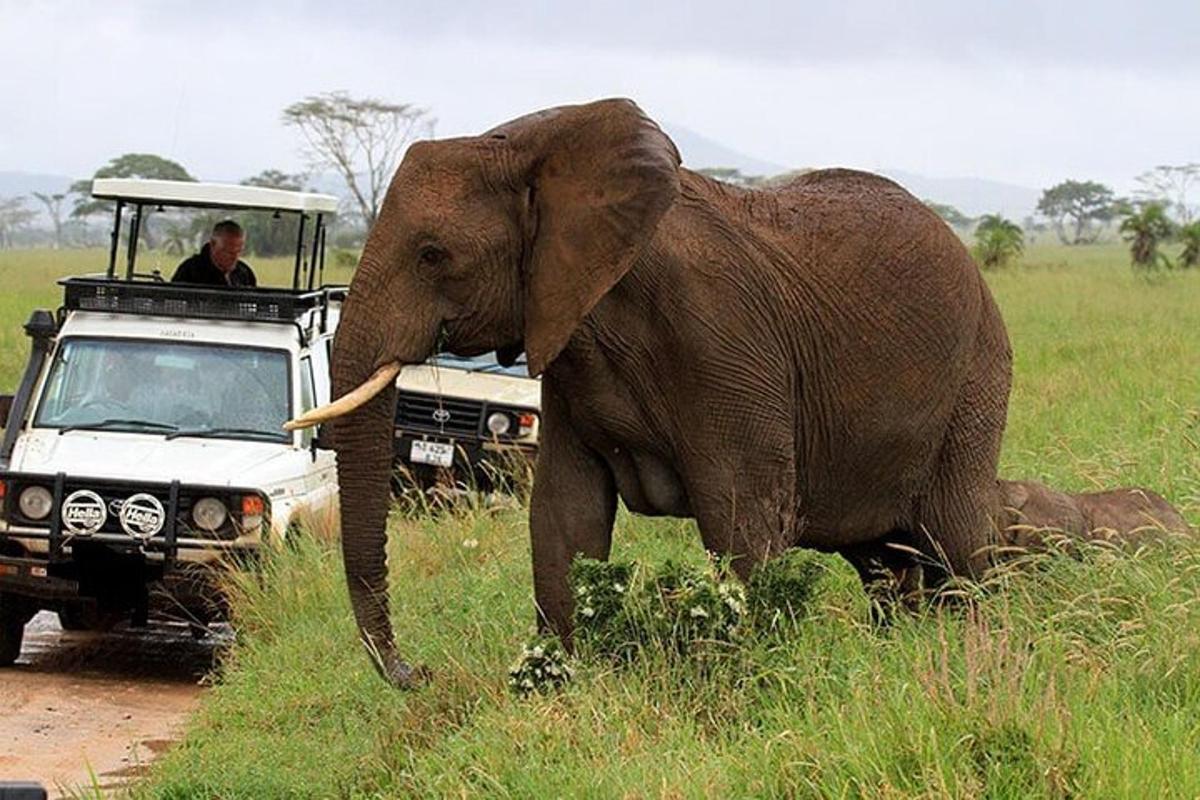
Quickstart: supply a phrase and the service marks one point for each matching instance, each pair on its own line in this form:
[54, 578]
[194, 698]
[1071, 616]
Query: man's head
[225, 246]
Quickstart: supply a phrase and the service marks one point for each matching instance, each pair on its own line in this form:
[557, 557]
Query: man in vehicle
[218, 262]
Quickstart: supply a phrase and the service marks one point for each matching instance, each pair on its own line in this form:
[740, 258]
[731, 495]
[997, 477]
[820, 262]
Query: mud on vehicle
[143, 450]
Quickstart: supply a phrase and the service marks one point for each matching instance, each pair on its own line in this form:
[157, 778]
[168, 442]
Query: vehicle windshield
[167, 388]
[484, 363]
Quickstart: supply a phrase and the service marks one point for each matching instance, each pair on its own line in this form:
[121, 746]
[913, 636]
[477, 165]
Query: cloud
[1010, 91]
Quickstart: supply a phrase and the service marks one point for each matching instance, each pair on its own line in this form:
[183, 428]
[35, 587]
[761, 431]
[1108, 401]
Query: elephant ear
[600, 177]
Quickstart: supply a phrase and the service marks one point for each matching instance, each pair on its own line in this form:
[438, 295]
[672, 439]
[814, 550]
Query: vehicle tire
[12, 631]
[87, 618]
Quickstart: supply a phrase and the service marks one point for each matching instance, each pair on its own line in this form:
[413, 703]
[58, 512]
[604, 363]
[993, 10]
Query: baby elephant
[1125, 516]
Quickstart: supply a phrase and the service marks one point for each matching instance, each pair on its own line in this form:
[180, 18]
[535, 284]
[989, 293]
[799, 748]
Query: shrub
[542, 666]
[1145, 229]
[997, 241]
[781, 591]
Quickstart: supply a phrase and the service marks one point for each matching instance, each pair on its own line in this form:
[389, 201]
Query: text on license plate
[436, 453]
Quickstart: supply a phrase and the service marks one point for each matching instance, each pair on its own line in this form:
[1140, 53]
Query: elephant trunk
[363, 440]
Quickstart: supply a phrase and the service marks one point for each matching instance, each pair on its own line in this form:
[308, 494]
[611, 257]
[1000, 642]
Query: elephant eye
[431, 255]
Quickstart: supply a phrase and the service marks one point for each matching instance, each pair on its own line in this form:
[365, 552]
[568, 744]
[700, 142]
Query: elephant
[818, 364]
[1128, 516]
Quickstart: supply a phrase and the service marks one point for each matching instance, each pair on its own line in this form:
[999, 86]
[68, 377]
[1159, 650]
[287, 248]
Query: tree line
[360, 140]
[1162, 210]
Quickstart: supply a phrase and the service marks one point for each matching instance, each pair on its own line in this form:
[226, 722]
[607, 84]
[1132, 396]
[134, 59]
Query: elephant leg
[751, 516]
[955, 519]
[572, 510]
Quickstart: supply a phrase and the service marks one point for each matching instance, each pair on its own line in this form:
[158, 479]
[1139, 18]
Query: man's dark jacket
[201, 269]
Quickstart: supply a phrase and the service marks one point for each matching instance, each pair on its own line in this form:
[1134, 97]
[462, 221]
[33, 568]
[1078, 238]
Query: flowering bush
[782, 590]
[686, 605]
[541, 667]
[622, 607]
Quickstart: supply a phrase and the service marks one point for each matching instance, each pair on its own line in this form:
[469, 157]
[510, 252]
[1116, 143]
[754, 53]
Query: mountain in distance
[699, 152]
[14, 183]
[972, 196]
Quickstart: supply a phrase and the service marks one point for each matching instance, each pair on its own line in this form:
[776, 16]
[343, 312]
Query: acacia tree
[54, 209]
[268, 235]
[1078, 210]
[1145, 229]
[130, 165]
[997, 241]
[13, 216]
[949, 214]
[361, 139]
[1170, 186]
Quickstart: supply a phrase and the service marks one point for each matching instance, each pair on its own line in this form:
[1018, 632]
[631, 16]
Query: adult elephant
[819, 364]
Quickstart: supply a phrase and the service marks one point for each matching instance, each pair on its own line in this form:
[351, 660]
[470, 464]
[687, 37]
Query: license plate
[436, 453]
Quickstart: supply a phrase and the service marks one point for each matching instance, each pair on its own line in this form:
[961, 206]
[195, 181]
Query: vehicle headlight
[209, 513]
[498, 423]
[35, 502]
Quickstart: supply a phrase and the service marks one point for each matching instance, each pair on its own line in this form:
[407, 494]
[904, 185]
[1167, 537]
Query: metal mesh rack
[175, 300]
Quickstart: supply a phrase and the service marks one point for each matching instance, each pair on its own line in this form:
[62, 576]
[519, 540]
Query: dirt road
[81, 704]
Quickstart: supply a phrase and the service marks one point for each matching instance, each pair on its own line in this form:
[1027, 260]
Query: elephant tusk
[349, 401]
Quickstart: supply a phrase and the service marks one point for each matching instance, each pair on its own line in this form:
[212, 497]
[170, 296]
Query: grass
[1073, 678]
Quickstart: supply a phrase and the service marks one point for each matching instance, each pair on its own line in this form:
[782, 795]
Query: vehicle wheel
[12, 632]
[87, 618]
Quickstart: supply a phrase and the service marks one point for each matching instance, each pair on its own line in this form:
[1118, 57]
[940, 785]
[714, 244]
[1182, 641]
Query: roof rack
[180, 300]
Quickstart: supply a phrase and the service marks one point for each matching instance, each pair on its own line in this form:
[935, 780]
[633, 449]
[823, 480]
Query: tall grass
[1070, 678]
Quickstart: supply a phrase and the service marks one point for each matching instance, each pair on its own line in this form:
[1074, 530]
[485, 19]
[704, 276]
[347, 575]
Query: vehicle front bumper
[475, 462]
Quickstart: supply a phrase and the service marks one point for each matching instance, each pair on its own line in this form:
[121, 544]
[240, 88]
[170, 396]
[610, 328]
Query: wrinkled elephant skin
[1132, 516]
[818, 364]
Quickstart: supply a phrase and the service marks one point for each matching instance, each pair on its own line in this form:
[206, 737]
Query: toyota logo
[142, 516]
[83, 512]
[441, 416]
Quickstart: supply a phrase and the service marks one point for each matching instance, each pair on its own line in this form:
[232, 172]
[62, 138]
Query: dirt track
[78, 704]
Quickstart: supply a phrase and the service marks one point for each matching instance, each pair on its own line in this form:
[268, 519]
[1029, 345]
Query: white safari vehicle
[471, 420]
[144, 445]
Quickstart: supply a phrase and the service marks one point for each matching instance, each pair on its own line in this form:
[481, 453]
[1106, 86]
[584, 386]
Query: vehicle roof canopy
[192, 194]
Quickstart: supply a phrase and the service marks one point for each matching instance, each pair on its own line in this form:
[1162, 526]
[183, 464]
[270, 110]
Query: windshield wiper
[117, 422]
[212, 433]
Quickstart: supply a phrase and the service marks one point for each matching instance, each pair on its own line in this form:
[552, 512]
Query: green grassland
[1069, 678]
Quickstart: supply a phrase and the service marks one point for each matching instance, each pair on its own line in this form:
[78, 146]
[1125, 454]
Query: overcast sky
[1027, 92]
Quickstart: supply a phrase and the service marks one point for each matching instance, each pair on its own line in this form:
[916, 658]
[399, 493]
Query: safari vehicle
[143, 447]
[467, 422]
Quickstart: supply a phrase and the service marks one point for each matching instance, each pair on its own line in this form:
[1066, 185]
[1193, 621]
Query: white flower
[527, 684]
[553, 670]
[582, 590]
[587, 612]
[537, 651]
[698, 611]
[618, 588]
[470, 544]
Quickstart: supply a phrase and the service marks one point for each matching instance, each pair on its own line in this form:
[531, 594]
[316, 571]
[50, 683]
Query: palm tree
[997, 241]
[1190, 236]
[1145, 229]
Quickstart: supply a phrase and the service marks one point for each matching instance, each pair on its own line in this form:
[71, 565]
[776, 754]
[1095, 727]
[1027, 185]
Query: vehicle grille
[419, 412]
[113, 494]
